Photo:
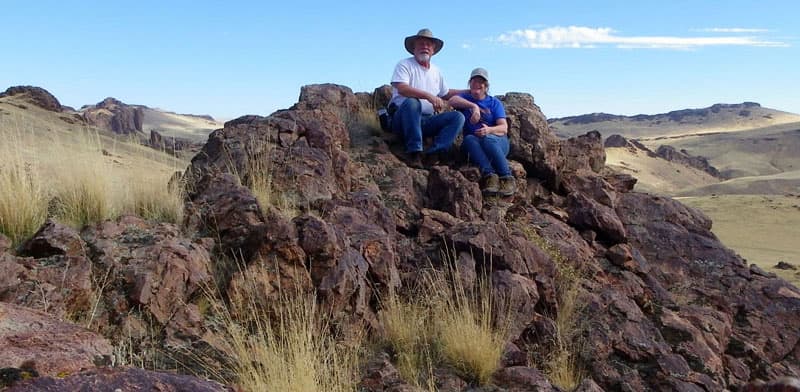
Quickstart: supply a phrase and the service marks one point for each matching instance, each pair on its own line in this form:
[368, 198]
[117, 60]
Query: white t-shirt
[426, 79]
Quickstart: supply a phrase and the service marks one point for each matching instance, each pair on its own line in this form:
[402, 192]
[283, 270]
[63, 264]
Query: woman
[485, 134]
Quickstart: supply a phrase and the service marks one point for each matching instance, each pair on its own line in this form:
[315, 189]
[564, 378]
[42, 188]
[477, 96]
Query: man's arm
[452, 93]
[411, 92]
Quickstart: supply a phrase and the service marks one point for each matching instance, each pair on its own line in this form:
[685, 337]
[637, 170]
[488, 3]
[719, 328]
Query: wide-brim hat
[424, 33]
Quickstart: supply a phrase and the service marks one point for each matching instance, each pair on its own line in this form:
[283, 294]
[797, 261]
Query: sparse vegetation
[561, 356]
[23, 202]
[452, 324]
[287, 346]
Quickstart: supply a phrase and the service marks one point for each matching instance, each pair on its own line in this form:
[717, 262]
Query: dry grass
[260, 169]
[562, 365]
[23, 201]
[450, 324]
[287, 346]
[771, 232]
[466, 328]
[77, 175]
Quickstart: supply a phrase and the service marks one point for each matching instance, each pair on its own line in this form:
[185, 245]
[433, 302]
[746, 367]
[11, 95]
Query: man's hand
[438, 103]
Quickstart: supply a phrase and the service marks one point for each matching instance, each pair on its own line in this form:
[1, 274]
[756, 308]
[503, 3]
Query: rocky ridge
[667, 306]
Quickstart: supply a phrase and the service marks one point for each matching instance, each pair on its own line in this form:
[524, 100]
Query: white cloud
[589, 37]
[466, 46]
[731, 30]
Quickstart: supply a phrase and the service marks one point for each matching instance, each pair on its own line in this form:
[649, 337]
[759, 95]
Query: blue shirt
[491, 110]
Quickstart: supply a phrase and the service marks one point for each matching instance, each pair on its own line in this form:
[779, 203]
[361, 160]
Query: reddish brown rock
[532, 143]
[5, 243]
[115, 116]
[116, 379]
[582, 153]
[450, 192]
[36, 340]
[521, 379]
[35, 95]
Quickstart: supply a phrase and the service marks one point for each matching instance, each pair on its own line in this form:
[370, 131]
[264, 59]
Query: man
[419, 94]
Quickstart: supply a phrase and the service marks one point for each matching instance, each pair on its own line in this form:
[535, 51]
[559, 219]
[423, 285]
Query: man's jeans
[489, 153]
[410, 123]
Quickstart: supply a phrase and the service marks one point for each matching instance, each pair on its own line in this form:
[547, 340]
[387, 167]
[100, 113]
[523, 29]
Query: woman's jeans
[409, 122]
[488, 153]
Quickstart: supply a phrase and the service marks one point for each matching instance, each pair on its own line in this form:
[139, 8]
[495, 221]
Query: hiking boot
[413, 159]
[491, 184]
[508, 186]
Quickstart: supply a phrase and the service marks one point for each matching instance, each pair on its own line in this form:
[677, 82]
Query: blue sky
[234, 58]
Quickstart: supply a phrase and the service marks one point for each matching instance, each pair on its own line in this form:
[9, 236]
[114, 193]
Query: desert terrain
[753, 202]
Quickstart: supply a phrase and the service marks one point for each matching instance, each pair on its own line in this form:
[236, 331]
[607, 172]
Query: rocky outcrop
[664, 305]
[115, 116]
[132, 379]
[36, 342]
[701, 163]
[35, 95]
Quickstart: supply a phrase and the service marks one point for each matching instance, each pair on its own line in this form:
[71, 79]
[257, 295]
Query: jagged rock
[115, 116]
[55, 277]
[588, 214]
[35, 95]
[35, 340]
[117, 379]
[155, 269]
[169, 144]
[784, 384]
[532, 142]
[701, 163]
[381, 376]
[449, 191]
[53, 239]
[582, 153]
[521, 378]
[782, 265]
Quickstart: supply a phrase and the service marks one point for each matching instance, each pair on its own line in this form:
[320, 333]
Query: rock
[585, 213]
[582, 153]
[35, 95]
[532, 143]
[381, 376]
[521, 378]
[782, 265]
[34, 339]
[682, 157]
[115, 116]
[784, 384]
[450, 192]
[118, 379]
[53, 239]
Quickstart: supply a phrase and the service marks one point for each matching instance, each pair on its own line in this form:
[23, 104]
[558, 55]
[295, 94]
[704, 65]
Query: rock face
[132, 379]
[35, 95]
[114, 116]
[671, 154]
[664, 306]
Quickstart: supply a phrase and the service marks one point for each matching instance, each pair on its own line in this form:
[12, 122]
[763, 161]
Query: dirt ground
[763, 229]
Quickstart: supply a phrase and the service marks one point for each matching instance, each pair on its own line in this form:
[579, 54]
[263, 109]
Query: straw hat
[424, 33]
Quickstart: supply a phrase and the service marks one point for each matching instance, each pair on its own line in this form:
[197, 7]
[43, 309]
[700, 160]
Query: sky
[232, 58]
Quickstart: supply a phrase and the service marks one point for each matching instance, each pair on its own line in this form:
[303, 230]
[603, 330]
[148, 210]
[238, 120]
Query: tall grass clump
[407, 330]
[23, 195]
[23, 201]
[260, 169]
[83, 194]
[562, 365]
[469, 327]
[455, 325]
[288, 346]
[152, 198]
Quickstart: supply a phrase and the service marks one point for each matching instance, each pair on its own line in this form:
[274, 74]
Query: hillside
[716, 118]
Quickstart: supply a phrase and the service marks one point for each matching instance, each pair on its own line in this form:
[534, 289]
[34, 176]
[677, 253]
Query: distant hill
[715, 118]
[124, 118]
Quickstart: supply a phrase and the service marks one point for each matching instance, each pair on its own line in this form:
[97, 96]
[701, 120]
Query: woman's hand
[476, 114]
[483, 131]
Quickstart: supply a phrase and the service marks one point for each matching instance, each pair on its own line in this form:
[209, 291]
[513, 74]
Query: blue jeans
[488, 153]
[409, 122]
